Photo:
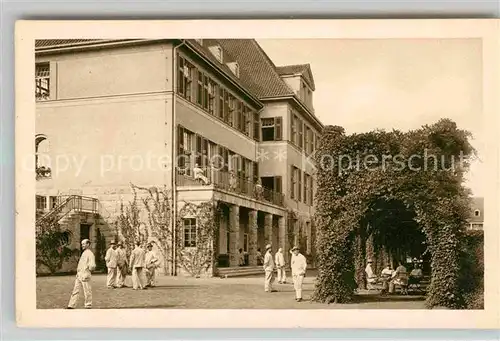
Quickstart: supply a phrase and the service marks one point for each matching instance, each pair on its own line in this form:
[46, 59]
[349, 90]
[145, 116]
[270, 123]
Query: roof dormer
[235, 68]
[217, 52]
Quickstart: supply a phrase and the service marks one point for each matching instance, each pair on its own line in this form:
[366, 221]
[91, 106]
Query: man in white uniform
[137, 263]
[122, 266]
[280, 265]
[299, 265]
[269, 270]
[83, 274]
[111, 263]
[151, 265]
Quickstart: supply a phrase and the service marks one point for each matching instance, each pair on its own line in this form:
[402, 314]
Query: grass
[205, 293]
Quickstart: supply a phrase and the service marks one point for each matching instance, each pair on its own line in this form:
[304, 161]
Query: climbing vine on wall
[148, 217]
[422, 174]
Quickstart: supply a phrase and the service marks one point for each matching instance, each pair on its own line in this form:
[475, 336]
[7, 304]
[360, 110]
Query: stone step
[240, 271]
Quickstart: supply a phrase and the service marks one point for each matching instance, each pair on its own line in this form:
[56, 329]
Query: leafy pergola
[386, 195]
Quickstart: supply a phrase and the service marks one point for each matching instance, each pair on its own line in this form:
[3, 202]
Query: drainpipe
[174, 159]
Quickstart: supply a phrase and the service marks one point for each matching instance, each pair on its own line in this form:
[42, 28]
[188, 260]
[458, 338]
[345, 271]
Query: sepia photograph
[258, 173]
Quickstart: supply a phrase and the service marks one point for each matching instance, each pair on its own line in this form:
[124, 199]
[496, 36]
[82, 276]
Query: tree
[53, 245]
[375, 189]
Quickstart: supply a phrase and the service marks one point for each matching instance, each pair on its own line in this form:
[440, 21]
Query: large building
[110, 112]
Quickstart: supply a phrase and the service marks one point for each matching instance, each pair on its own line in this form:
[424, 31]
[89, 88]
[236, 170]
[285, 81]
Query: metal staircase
[67, 207]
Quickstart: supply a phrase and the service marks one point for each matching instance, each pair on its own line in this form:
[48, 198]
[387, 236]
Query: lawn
[205, 293]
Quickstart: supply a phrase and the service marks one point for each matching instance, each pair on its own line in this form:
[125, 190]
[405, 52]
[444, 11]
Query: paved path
[205, 293]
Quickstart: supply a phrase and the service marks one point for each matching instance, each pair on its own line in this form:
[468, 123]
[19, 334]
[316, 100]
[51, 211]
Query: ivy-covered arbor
[388, 194]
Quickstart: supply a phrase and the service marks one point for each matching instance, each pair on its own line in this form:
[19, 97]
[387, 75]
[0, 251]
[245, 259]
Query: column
[283, 235]
[234, 235]
[268, 229]
[252, 237]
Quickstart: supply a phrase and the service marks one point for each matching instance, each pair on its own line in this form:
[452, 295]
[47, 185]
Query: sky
[362, 85]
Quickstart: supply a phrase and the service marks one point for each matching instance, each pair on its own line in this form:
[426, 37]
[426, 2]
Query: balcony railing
[229, 182]
[68, 203]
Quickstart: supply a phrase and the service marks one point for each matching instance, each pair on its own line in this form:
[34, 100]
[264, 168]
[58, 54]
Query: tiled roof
[40, 43]
[303, 69]
[257, 72]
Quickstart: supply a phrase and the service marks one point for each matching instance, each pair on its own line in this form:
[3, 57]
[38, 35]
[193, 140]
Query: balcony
[229, 182]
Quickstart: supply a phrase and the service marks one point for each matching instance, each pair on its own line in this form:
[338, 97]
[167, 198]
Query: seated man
[400, 278]
[385, 276]
[199, 174]
[416, 272]
[233, 181]
[259, 190]
[371, 278]
[416, 276]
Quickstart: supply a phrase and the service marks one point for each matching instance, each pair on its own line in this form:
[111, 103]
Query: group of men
[143, 264]
[298, 265]
[391, 278]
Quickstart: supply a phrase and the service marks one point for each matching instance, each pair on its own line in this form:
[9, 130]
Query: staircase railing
[67, 203]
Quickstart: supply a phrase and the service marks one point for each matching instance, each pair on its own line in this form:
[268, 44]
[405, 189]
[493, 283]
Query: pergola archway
[420, 180]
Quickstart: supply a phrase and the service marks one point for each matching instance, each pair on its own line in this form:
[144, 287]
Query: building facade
[476, 219]
[208, 119]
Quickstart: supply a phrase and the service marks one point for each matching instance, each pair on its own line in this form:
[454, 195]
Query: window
[199, 92]
[185, 147]
[219, 53]
[52, 202]
[247, 117]
[255, 171]
[272, 129]
[41, 202]
[256, 127]
[293, 128]
[308, 140]
[301, 133]
[185, 78]
[206, 91]
[478, 226]
[237, 70]
[306, 188]
[299, 187]
[477, 213]
[239, 119]
[212, 89]
[189, 232]
[230, 107]
[311, 190]
[221, 103]
[42, 81]
[293, 182]
[317, 140]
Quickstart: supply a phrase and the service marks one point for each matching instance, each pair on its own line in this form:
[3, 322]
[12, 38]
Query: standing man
[83, 273]
[111, 263]
[280, 265]
[151, 265]
[122, 266]
[137, 263]
[269, 270]
[299, 266]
